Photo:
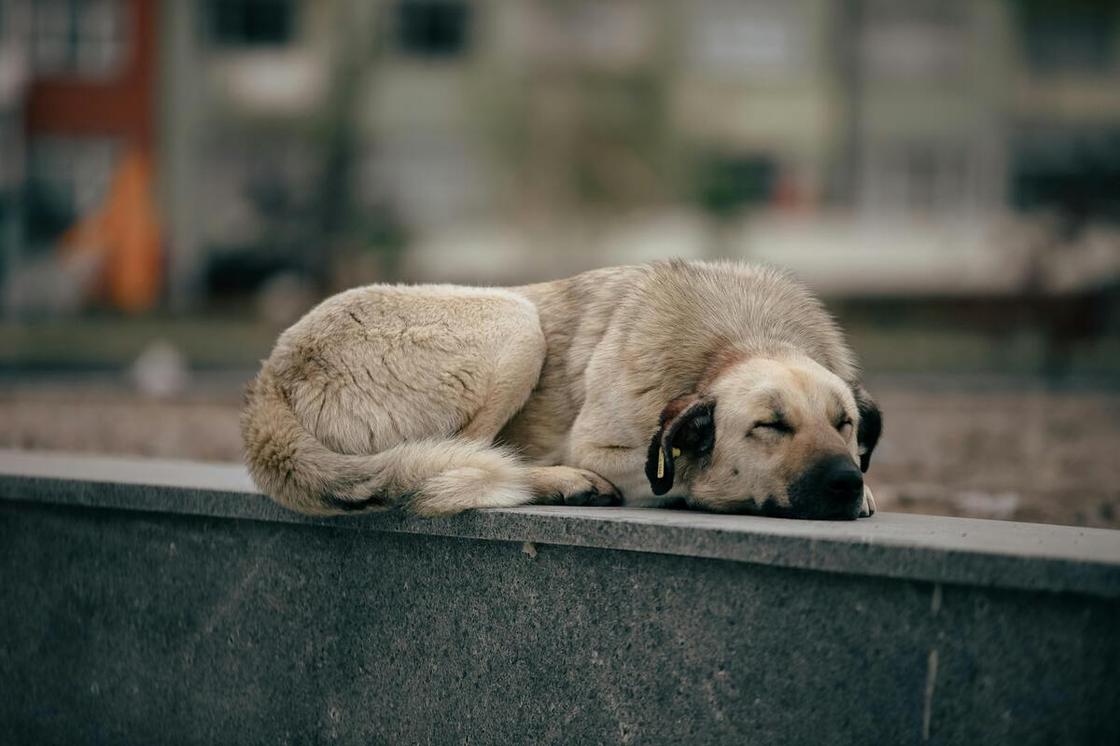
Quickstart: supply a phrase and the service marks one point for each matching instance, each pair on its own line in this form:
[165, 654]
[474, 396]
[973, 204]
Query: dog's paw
[564, 485]
[868, 508]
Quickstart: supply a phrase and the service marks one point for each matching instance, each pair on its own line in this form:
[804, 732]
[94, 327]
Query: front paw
[868, 508]
[568, 486]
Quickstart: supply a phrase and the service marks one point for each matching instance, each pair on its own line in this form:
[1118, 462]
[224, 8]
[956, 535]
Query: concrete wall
[151, 602]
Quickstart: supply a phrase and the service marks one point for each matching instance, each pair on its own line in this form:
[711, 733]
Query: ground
[1025, 454]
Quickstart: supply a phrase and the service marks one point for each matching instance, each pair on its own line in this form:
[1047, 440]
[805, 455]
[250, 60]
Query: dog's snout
[842, 480]
[831, 488]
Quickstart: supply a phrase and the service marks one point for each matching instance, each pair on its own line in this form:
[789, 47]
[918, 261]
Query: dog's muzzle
[831, 489]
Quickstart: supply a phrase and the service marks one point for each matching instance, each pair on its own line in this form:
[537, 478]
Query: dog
[719, 386]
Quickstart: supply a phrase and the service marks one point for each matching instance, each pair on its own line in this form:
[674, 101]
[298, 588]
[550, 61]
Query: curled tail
[429, 477]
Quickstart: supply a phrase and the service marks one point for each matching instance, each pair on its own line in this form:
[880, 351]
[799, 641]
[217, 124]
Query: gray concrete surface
[162, 602]
[932, 548]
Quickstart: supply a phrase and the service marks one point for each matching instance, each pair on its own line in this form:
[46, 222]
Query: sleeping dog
[723, 386]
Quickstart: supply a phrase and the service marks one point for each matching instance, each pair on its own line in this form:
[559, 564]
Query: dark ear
[687, 425]
[870, 425]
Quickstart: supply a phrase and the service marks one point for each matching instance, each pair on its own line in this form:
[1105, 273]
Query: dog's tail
[428, 477]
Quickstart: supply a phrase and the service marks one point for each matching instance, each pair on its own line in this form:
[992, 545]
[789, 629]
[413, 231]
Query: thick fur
[441, 398]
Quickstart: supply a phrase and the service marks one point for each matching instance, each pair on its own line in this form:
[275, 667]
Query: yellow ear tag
[661, 461]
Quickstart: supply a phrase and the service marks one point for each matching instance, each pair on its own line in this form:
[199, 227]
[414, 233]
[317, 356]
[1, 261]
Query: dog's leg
[599, 443]
[603, 438]
[515, 368]
[868, 508]
[519, 367]
[623, 466]
[565, 485]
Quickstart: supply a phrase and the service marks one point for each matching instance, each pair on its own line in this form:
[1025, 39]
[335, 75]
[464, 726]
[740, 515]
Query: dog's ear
[687, 425]
[870, 425]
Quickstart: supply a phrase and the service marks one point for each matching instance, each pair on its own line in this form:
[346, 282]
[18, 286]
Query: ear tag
[661, 461]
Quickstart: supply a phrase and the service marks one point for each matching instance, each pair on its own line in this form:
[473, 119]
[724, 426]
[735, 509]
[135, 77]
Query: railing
[155, 601]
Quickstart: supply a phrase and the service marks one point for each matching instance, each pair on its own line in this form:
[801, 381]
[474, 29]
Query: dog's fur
[722, 385]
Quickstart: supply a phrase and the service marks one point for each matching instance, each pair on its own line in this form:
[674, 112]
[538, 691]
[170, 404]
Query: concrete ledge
[156, 602]
[894, 545]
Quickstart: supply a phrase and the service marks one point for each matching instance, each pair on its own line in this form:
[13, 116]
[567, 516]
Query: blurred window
[1069, 35]
[433, 28]
[918, 177]
[761, 38]
[730, 183]
[78, 37]
[238, 23]
[1072, 171]
[616, 34]
[907, 42]
[261, 191]
[66, 178]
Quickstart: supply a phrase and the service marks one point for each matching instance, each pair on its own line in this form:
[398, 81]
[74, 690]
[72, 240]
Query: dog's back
[656, 328]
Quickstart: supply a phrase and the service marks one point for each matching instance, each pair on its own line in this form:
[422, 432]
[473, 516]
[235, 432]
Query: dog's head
[779, 437]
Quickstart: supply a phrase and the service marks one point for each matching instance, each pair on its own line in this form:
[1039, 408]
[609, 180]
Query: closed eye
[844, 423]
[779, 426]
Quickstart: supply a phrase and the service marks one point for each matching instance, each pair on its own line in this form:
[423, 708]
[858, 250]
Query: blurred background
[181, 179]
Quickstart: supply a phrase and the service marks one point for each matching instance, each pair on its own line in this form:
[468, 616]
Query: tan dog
[722, 385]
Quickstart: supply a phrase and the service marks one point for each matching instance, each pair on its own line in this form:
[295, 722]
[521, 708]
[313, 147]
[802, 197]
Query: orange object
[125, 232]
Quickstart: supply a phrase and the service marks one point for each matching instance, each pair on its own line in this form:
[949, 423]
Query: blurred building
[1065, 146]
[13, 85]
[85, 108]
[923, 146]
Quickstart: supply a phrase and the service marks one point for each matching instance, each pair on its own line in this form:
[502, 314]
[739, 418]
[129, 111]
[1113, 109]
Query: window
[899, 42]
[78, 37]
[433, 28]
[920, 177]
[1072, 171]
[252, 23]
[765, 38]
[729, 183]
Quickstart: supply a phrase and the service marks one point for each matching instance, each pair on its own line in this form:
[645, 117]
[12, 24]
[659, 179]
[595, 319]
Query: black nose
[830, 488]
[842, 481]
